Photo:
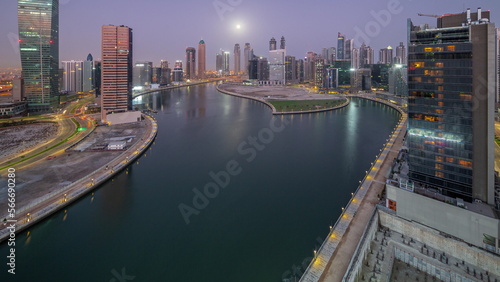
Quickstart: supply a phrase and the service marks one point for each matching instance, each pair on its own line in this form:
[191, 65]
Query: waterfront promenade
[333, 257]
[39, 209]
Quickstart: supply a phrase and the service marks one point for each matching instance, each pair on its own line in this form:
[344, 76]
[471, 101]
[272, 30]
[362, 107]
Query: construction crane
[426, 15]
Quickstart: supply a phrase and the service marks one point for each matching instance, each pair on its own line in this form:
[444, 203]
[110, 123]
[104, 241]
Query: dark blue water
[285, 191]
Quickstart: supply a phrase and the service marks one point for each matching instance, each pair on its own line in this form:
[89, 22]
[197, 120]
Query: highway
[67, 135]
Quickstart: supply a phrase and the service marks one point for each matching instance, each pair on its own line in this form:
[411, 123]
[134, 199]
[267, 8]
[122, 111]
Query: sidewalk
[333, 257]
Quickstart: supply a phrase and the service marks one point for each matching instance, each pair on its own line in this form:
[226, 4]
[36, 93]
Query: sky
[164, 28]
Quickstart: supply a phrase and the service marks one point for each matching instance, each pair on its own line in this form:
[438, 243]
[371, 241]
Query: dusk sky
[163, 29]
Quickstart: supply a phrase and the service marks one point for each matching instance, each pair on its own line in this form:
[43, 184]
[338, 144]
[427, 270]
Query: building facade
[277, 66]
[202, 60]
[237, 59]
[190, 63]
[38, 22]
[116, 68]
[451, 95]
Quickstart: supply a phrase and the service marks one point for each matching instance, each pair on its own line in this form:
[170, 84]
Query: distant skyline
[163, 29]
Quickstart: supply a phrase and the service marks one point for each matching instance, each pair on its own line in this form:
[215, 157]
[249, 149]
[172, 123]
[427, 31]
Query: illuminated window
[439, 166]
[451, 48]
[465, 163]
[416, 79]
[441, 127]
[450, 160]
[439, 111]
[466, 97]
[439, 80]
[439, 174]
[439, 158]
[441, 88]
[439, 65]
[417, 64]
[440, 104]
[439, 49]
[441, 150]
[428, 49]
[429, 142]
[440, 96]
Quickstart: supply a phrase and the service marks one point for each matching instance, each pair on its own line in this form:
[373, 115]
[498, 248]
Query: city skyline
[254, 19]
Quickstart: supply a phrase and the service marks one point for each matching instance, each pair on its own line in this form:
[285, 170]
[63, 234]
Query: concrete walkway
[45, 206]
[333, 257]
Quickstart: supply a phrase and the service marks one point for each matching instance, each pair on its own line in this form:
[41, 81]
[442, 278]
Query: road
[55, 146]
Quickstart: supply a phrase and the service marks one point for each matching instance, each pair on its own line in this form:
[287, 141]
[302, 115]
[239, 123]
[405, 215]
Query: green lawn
[497, 139]
[305, 105]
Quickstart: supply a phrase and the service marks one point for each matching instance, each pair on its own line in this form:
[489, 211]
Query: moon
[238, 26]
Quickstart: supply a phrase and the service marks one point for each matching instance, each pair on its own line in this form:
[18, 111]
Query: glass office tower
[39, 48]
[450, 132]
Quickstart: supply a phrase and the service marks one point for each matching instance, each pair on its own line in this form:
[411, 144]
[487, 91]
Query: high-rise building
[348, 46]
[97, 77]
[355, 61]
[290, 70]
[365, 55]
[225, 63]
[263, 69]
[282, 43]
[219, 63]
[401, 54]
[361, 80]
[165, 72]
[88, 74]
[451, 83]
[272, 44]
[330, 78]
[247, 56]
[277, 66]
[253, 68]
[142, 74]
[202, 59]
[190, 63]
[72, 76]
[385, 55]
[38, 22]
[300, 70]
[116, 68]
[237, 59]
[340, 46]
[310, 66]
[329, 54]
[178, 71]
[398, 80]
[156, 77]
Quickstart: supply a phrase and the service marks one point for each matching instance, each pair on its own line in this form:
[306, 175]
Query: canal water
[228, 192]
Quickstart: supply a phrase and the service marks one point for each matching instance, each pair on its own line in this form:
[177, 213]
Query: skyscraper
[282, 43]
[277, 66]
[272, 44]
[355, 61]
[219, 63]
[72, 76]
[202, 59]
[39, 48]
[142, 74]
[178, 71]
[340, 46]
[247, 56]
[290, 70]
[165, 72]
[237, 59]
[116, 68]
[400, 54]
[88, 74]
[310, 66]
[348, 46]
[451, 77]
[225, 62]
[385, 55]
[190, 63]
